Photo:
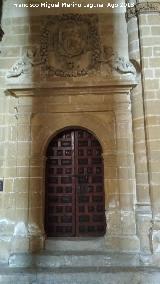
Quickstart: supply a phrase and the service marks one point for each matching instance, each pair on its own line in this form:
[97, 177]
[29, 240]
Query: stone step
[73, 259]
[108, 275]
[75, 244]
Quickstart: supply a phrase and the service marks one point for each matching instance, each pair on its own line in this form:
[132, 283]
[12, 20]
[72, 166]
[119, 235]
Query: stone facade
[70, 67]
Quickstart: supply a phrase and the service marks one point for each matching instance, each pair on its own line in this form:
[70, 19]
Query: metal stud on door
[74, 185]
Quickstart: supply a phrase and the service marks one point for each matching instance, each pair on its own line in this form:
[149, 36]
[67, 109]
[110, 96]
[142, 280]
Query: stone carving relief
[113, 63]
[70, 45]
[25, 64]
[145, 7]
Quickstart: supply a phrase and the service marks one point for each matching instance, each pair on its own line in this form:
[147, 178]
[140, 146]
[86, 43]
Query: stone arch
[104, 132]
[45, 127]
[71, 127]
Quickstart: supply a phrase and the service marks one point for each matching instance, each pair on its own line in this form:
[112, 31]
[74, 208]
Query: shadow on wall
[67, 56]
[67, 51]
[64, 52]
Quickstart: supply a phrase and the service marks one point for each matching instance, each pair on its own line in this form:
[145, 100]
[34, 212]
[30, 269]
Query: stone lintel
[114, 88]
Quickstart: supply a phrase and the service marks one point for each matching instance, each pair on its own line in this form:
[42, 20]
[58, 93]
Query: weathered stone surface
[66, 276]
[74, 70]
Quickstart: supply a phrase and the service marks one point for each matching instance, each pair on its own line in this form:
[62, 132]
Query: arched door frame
[94, 181]
[51, 124]
[51, 137]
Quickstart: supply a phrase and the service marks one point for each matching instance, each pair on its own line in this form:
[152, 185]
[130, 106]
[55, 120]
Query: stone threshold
[75, 244]
[81, 260]
[108, 275]
[81, 253]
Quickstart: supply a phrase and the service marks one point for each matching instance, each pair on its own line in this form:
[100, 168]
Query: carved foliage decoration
[25, 64]
[113, 63]
[70, 45]
[145, 7]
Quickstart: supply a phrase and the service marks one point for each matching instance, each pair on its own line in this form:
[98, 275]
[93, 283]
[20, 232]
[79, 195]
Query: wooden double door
[74, 201]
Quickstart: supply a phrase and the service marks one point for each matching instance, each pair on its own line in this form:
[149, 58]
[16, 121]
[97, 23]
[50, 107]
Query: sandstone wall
[38, 103]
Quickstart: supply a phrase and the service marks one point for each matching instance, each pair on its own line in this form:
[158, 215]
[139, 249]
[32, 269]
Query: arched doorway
[74, 195]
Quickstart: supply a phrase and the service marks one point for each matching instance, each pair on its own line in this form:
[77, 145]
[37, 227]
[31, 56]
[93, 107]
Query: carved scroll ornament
[140, 8]
[114, 63]
[25, 64]
[110, 63]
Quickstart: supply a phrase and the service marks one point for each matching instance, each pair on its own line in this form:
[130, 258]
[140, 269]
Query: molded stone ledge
[144, 207]
[102, 87]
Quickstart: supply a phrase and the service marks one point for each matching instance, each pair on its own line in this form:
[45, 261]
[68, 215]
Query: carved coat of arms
[72, 40]
[70, 45]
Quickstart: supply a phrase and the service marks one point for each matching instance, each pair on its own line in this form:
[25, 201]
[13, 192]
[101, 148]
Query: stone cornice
[141, 8]
[125, 87]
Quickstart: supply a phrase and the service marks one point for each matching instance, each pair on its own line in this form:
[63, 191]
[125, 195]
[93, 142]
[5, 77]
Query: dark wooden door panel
[90, 213]
[60, 186]
[74, 185]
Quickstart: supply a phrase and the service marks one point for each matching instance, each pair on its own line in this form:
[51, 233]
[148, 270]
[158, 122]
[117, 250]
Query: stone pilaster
[148, 27]
[143, 210]
[122, 195]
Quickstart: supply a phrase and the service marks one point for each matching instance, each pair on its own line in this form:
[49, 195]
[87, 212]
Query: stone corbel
[141, 8]
[25, 64]
[112, 63]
